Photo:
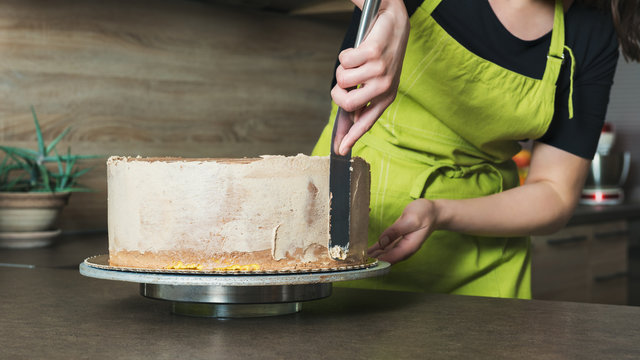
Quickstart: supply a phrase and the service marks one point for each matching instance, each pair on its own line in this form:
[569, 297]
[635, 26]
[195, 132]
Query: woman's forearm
[543, 205]
[534, 209]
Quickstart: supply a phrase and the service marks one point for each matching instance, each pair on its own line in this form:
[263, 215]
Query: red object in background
[601, 196]
[522, 159]
[607, 127]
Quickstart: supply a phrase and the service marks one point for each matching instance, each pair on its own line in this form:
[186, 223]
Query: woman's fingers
[374, 91]
[368, 51]
[352, 58]
[350, 78]
[404, 248]
[364, 120]
[381, 246]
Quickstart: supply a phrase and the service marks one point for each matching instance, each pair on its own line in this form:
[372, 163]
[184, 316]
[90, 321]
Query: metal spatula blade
[340, 165]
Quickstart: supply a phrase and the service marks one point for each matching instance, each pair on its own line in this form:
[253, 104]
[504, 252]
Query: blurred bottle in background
[522, 160]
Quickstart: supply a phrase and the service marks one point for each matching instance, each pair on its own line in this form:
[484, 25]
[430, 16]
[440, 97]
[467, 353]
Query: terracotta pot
[30, 211]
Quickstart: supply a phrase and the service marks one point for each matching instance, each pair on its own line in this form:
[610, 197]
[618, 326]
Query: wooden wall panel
[161, 78]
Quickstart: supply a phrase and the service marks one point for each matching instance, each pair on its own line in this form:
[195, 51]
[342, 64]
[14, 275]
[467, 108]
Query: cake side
[259, 214]
[359, 219]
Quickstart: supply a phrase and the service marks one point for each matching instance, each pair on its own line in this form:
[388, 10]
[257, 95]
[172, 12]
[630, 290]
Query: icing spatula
[340, 165]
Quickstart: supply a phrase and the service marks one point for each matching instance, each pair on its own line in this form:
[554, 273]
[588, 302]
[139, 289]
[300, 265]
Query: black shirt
[590, 35]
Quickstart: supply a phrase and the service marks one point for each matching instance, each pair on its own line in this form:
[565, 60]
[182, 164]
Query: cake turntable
[232, 295]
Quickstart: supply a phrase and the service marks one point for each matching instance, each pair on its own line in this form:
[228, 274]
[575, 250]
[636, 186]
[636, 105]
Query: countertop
[51, 311]
[587, 214]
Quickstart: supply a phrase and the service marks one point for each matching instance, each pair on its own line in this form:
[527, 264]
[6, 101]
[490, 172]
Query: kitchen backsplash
[624, 113]
[162, 78]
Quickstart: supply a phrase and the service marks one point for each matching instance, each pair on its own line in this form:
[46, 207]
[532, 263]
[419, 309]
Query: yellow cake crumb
[251, 267]
[181, 266]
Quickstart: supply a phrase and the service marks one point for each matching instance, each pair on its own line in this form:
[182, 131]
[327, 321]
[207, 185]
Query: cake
[252, 214]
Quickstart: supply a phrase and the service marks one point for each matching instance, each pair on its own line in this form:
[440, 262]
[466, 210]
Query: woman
[476, 77]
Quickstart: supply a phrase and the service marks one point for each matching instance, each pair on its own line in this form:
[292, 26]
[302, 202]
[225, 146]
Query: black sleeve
[595, 46]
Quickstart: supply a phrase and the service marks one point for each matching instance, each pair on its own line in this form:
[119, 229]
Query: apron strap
[429, 5]
[555, 58]
[432, 167]
[573, 70]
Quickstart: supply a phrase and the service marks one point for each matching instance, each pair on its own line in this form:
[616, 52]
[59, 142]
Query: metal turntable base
[230, 295]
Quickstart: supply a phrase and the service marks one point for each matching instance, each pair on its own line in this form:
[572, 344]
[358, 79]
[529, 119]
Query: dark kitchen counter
[586, 214]
[51, 311]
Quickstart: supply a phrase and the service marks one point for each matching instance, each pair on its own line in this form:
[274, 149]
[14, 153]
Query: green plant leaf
[41, 147]
[5, 169]
[64, 179]
[81, 172]
[69, 165]
[27, 153]
[44, 174]
[52, 145]
[15, 181]
[59, 161]
[78, 189]
[22, 163]
[77, 157]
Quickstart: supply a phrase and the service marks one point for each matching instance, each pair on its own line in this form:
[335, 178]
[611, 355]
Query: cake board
[231, 295]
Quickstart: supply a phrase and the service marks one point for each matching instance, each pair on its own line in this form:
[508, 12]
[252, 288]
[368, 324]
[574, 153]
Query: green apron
[451, 133]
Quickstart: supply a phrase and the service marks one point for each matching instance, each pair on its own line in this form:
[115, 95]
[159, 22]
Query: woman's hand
[406, 235]
[374, 68]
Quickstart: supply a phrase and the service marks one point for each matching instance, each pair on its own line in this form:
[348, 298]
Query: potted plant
[34, 187]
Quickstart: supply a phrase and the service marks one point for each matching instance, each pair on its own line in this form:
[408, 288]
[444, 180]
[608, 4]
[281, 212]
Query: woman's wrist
[442, 214]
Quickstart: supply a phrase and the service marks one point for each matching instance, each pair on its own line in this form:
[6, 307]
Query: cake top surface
[169, 159]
